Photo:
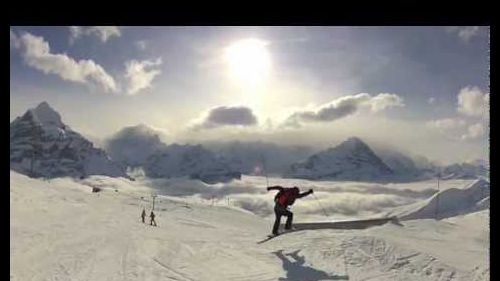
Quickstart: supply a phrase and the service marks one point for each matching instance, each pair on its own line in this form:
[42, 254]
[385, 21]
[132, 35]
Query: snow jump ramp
[356, 224]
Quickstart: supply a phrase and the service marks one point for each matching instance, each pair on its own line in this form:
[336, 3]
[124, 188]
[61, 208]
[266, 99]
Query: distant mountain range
[354, 160]
[193, 161]
[140, 146]
[257, 157]
[41, 145]
[464, 171]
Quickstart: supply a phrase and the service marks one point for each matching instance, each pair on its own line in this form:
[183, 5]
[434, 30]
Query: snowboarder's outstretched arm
[275, 187]
[310, 191]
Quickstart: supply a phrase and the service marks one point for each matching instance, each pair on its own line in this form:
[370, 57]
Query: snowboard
[271, 236]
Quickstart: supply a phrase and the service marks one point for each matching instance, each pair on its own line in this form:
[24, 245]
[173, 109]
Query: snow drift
[452, 202]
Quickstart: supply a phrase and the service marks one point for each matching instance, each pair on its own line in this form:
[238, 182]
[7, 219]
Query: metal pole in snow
[265, 170]
[437, 197]
[154, 196]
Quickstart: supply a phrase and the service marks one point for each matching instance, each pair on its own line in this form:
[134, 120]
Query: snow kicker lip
[357, 224]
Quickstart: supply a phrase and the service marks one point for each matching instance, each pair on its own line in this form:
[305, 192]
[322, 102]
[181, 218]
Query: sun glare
[248, 61]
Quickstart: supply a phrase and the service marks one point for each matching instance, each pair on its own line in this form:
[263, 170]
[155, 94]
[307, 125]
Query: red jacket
[286, 196]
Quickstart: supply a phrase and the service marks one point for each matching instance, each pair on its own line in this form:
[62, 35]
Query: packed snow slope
[60, 230]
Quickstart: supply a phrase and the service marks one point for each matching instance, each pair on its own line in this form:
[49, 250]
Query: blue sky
[422, 90]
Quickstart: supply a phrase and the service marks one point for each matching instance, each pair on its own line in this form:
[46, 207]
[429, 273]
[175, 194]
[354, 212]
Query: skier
[152, 216]
[143, 215]
[285, 198]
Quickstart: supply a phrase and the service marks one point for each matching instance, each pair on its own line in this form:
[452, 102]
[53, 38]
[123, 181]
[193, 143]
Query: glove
[311, 191]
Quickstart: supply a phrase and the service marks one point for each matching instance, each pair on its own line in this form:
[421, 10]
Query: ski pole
[319, 203]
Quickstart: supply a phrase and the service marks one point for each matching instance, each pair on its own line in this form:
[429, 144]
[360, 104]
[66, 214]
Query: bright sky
[423, 90]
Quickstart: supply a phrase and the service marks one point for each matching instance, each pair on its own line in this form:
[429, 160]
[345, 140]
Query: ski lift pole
[437, 197]
[154, 197]
[265, 170]
[321, 206]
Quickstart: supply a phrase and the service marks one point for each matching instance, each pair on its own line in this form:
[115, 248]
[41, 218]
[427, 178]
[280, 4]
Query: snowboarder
[143, 215]
[285, 198]
[152, 216]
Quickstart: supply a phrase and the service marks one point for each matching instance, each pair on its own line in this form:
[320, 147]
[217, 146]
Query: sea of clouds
[331, 199]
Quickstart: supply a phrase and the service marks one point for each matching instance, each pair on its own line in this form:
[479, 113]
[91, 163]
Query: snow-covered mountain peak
[41, 145]
[45, 115]
[350, 160]
[352, 144]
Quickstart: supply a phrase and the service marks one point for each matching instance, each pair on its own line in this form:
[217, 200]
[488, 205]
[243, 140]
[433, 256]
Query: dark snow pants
[282, 211]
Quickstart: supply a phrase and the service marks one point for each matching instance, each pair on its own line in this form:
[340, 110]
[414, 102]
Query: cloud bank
[340, 199]
[473, 107]
[345, 106]
[140, 74]
[141, 44]
[36, 53]
[227, 116]
[101, 32]
[474, 131]
[473, 102]
[447, 124]
[465, 33]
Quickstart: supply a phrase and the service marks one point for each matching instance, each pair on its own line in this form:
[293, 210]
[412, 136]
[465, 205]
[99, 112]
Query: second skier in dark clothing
[285, 198]
[152, 216]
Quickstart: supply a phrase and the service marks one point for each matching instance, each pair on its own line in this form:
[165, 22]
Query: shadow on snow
[296, 271]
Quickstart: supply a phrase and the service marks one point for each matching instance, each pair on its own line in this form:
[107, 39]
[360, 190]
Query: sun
[248, 61]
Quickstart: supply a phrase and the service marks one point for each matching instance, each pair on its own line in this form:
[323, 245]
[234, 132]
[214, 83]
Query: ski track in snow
[60, 230]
